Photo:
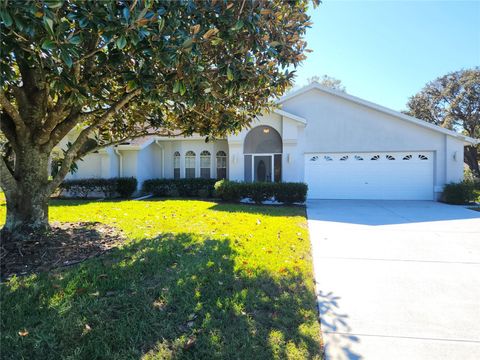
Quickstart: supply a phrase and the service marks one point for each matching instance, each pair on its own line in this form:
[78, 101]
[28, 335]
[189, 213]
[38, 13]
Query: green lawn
[196, 280]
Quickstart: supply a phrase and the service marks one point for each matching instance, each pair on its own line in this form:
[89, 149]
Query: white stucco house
[343, 147]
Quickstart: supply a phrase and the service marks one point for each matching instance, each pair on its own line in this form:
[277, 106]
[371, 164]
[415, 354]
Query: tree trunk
[27, 198]
[471, 159]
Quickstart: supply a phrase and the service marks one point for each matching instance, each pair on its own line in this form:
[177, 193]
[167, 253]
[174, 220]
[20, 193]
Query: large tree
[453, 102]
[328, 81]
[116, 70]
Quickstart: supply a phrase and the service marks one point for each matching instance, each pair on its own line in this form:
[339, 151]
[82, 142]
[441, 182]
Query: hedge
[285, 192]
[460, 193]
[124, 187]
[197, 187]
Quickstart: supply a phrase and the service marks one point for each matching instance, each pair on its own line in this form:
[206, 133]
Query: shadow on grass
[175, 296]
[270, 210]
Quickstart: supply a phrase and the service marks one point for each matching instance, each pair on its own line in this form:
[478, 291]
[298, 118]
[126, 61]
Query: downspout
[120, 163]
[163, 157]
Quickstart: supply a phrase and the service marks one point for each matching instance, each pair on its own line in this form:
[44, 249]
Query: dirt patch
[65, 244]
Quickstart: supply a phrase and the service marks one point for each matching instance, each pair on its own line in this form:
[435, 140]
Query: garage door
[380, 175]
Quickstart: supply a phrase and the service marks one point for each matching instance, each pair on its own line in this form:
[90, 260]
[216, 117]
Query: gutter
[120, 162]
[163, 156]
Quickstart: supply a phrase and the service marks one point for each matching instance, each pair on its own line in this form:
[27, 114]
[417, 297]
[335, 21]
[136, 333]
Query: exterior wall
[129, 163]
[333, 125]
[339, 125]
[90, 167]
[197, 146]
[292, 133]
[149, 163]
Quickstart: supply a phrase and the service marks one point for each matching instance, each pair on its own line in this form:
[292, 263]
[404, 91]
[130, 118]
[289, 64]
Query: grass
[196, 280]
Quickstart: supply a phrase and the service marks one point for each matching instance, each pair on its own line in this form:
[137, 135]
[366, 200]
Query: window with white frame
[221, 165]
[205, 160]
[176, 165]
[189, 165]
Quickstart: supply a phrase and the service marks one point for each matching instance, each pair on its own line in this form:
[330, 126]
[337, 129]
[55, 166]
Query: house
[343, 147]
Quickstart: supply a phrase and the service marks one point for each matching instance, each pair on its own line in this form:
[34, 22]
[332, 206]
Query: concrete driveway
[397, 279]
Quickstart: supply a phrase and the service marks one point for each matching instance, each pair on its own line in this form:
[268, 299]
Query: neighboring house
[343, 147]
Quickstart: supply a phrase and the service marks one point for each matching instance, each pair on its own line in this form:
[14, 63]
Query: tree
[116, 70]
[453, 102]
[328, 81]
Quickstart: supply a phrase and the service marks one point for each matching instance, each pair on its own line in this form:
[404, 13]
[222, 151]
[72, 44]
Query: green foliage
[199, 270]
[284, 192]
[124, 187]
[196, 187]
[290, 193]
[451, 101]
[227, 59]
[228, 190]
[460, 193]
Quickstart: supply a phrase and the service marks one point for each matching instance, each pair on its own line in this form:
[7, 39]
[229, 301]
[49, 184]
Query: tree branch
[12, 112]
[7, 181]
[72, 152]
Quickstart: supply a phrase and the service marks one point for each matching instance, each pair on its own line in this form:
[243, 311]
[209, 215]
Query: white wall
[339, 125]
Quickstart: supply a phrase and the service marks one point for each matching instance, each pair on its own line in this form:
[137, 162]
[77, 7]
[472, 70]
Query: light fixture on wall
[266, 130]
[454, 156]
[289, 158]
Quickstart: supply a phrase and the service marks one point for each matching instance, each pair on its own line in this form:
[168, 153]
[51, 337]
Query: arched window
[176, 165]
[263, 155]
[190, 165]
[205, 160]
[221, 165]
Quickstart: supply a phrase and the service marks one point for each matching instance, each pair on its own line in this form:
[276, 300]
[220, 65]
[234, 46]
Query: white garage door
[382, 175]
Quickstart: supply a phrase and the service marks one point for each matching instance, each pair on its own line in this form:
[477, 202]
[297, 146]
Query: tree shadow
[179, 296]
[270, 210]
[337, 338]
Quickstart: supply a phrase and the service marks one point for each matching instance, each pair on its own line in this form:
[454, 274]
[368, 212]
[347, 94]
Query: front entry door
[263, 168]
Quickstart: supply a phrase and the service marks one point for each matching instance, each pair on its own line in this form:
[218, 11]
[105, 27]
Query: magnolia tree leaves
[202, 66]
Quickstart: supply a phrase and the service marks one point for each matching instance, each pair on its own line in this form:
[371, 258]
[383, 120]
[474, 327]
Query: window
[407, 157]
[189, 165]
[176, 165]
[375, 157]
[422, 157]
[314, 158]
[205, 164]
[390, 157]
[221, 165]
[344, 158]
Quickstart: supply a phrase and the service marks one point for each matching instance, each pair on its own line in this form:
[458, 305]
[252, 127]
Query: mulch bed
[66, 244]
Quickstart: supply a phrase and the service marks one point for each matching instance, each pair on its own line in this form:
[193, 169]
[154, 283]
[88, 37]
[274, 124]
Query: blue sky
[385, 51]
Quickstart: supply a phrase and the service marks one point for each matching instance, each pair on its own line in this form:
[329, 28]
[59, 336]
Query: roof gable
[316, 86]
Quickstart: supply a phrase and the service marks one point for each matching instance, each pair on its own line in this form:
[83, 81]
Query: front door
[262, 168]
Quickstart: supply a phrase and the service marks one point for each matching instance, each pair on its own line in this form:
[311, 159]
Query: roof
[315, 85]
[290, 116]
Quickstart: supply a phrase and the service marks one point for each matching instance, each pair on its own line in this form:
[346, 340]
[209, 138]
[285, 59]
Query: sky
[386, 51]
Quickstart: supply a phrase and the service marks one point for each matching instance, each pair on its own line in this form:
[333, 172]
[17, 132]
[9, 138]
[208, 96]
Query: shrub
[459, 193]
[259, 191]
[125, 187]
[228, 190]
[197, 187]
[288, 193]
